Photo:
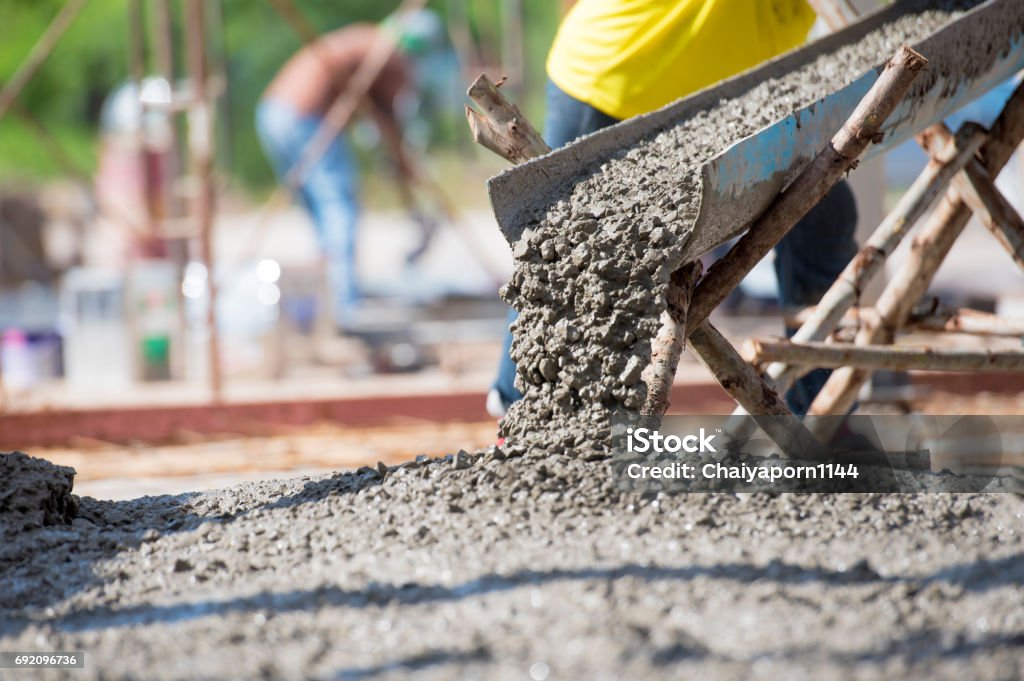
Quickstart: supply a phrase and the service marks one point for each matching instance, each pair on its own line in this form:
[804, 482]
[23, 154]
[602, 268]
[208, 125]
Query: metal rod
[832, 355]
[201, 144]
[816, 179]
[928, 249]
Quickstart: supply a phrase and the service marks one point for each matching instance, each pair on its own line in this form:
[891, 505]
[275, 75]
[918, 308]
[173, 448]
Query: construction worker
[293, 109]
[613, 59]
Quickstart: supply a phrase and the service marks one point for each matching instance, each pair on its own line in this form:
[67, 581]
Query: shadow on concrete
[996, 574]
[412, 663]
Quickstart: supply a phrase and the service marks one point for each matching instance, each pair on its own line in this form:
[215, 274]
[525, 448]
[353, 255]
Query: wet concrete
[593, 267]
[34, 493]
[481, 566]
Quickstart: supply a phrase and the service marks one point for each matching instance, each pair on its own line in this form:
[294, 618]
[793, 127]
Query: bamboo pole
[830, 355]
[870, 261]
[500, 126]
[201, 144]
[928, 249]
[39, 54]
[816, 179]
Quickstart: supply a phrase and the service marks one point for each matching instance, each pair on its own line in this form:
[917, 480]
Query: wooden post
[163, 41]
[668, 345]
[745, 385]
[831, 355]
[930, 318]
[870, 261]
[500, 126]
[150, 244]
[963, 320]
[929, 248]
[978, 190]
[816, 179]
[201, 144]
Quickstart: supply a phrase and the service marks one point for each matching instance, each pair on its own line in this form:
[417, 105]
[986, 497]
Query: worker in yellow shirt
[613, 59]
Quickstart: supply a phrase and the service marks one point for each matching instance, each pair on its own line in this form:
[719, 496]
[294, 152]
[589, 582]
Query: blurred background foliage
[64, 99]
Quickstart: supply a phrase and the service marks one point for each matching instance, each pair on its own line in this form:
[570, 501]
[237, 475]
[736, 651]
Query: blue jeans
[329, 193]
[807, 260]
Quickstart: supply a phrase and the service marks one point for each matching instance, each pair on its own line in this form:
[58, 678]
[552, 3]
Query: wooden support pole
[150, 243]
[162, 29]
[832, 355]
[500, 126]
[964, 320]
[39, 54]
[870, 261]
[995, 212]
[978, 190]
[201, 144]
[930, 318]
[667, 347]
[816, 179]
[745, 385]
[928, 249]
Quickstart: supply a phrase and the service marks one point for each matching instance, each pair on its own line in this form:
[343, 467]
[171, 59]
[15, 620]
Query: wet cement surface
[34, 493]
[486, 567]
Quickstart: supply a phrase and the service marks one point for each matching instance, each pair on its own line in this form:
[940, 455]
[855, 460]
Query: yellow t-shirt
[628, 57]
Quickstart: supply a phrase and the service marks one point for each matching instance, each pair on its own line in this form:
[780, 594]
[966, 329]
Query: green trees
[64, 98]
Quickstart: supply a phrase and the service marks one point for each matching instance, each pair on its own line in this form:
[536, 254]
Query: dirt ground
[520, 568]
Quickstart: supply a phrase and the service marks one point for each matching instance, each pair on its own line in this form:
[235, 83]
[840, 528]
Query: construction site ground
[274, 555]
[492, 568]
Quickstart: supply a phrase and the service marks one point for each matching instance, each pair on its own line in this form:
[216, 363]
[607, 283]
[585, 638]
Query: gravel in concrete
[481, 566]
